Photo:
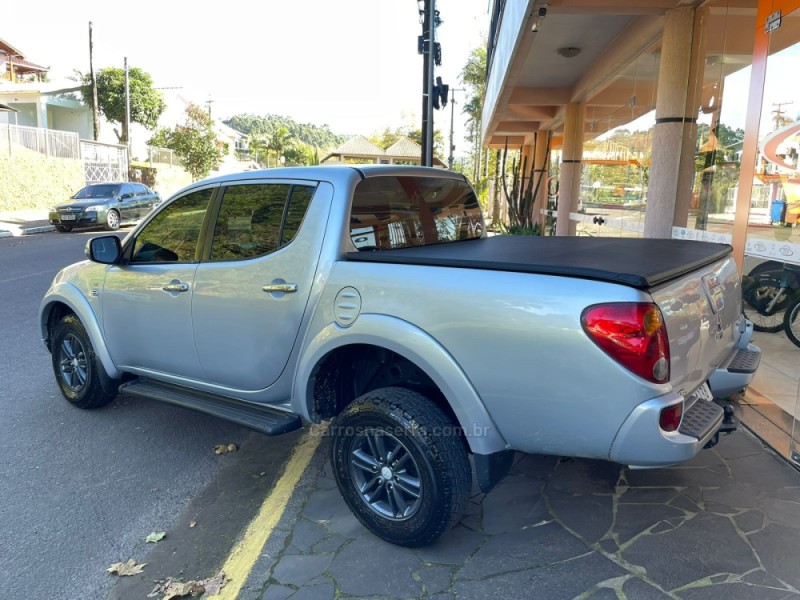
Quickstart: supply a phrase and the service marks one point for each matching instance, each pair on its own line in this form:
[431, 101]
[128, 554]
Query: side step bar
[265, 419]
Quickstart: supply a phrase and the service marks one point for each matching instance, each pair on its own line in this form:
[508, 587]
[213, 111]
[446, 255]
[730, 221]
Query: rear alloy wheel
[401, 466]
[79, 374]
[112, 220]
[63, 228]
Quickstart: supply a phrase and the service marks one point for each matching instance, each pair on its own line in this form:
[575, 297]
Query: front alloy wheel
[112, 220]
[79, 373]
[401, 466]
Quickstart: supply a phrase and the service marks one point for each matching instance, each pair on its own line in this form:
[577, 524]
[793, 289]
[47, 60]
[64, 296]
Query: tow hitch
[729, 425]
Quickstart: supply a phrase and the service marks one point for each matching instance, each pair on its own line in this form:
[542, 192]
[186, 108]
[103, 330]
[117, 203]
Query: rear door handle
[285, 288]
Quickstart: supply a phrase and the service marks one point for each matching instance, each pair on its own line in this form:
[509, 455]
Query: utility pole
[452, 117]
[209, 102]
[127, 125]
[428, 40]
[95, 110]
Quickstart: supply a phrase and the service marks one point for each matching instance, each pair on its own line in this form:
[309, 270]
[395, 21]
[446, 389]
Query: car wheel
[63, 228]
[80, 375]
[112, 220]
[401, 466]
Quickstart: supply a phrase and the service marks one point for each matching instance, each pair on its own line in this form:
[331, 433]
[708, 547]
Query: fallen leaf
[169, 589]
[225, 448]
[126, 568]
[215, 584]
[192, 524]
[156, 536]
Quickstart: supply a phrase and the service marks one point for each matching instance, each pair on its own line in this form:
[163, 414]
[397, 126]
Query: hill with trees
[314, 136]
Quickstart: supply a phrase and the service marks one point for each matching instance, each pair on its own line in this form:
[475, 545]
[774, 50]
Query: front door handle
[176, 287]
[285, 288]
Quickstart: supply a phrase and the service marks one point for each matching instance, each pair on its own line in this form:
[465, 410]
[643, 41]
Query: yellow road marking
[240, 561]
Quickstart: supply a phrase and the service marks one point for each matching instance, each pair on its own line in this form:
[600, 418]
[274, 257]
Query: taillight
[670, 418]
[633, 334]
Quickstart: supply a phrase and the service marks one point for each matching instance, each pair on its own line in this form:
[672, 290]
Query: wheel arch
[65, 299]
[375, 337]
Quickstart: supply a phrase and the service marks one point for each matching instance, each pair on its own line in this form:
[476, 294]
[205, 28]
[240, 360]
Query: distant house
[38, 103]
[359, 150]
[15, 68]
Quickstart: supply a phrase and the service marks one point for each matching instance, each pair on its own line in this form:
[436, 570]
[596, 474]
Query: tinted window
[397, 212]
[97, 191]
[172, 235]
[249, 222]
[298, 204]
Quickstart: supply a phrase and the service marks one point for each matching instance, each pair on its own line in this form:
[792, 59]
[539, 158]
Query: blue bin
[776, 210]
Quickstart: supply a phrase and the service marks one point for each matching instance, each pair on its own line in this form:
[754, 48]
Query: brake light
[633, 334]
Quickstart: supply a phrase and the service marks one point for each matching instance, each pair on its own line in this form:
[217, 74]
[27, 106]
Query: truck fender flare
[68, 294]
[420, 348]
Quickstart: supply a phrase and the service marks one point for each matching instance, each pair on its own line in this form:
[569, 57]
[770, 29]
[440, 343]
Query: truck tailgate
[703, 315]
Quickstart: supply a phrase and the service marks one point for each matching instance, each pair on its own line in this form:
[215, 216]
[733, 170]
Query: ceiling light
[569, 51]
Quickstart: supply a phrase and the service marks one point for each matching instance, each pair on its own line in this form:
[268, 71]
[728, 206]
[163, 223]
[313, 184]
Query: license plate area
[68, 217]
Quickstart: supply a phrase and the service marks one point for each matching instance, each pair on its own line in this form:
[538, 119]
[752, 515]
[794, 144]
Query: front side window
[255, 219]
[398, 212]
[173, 234]
[97, 191]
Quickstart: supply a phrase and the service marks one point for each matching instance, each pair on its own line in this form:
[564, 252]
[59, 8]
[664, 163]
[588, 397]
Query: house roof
[17, 58]
[53, 87]
[360, 146]
[405, 147]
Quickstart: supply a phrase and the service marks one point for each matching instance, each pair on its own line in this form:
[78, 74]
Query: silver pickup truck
[372, 297]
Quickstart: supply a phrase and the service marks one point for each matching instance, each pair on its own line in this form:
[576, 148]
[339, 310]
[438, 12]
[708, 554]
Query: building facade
[659, 118]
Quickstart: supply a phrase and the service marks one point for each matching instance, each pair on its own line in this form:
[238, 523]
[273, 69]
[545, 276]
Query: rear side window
[257, 219]
[398, 212]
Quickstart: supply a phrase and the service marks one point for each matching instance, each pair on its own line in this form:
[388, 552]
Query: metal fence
[50, 142]
[104, 162]
[160, 156]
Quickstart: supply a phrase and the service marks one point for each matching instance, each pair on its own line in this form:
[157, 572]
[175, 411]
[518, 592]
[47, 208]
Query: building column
[540, 174]
[569, 179]
[672, 163]
[41, 113]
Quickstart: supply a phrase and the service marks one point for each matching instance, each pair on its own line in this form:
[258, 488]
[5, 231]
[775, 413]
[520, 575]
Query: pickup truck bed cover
[639, 263]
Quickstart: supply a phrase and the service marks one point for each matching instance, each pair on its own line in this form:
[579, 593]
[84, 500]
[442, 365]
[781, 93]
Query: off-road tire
[437, 459]
[79, 373]
[757, 294]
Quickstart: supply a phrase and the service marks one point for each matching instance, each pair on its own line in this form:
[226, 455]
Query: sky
[352, 64]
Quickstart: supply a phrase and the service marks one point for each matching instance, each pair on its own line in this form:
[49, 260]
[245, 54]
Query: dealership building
[660, 118]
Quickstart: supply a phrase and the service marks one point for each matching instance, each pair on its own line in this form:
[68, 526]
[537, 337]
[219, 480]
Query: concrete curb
[20, 231]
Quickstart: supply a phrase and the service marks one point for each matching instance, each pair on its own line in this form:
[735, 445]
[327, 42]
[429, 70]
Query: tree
[147, 103]
[473, 76]
[193, 142]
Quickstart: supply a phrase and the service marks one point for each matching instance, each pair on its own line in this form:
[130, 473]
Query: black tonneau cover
[639, 263]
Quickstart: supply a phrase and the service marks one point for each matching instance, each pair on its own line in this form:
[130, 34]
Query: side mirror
[105, 250]
[126, 196]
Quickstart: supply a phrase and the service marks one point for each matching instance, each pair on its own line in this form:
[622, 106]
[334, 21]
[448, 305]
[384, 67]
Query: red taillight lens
[633, 334]
[670, 418]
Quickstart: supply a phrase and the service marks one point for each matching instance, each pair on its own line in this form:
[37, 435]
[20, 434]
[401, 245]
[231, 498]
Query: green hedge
[29, 180]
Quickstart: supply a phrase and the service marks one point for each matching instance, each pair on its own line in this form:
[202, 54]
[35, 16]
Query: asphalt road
[80, 490]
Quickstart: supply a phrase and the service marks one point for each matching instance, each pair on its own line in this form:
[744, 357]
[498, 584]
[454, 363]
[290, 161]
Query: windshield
[97, 191]
[398, 212]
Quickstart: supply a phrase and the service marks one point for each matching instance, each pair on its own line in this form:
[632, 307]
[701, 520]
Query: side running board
[265, 419]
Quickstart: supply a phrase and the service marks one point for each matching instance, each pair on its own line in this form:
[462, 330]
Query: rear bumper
[642, 443]
[739, 369]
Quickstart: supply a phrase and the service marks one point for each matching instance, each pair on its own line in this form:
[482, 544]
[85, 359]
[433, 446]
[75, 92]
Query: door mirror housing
[105, 250]
[126, 196]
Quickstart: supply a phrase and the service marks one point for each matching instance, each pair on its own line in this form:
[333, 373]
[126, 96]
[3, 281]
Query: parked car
[373, 297]
[106, 204]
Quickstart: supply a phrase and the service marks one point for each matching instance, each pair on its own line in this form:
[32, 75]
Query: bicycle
[768, 291]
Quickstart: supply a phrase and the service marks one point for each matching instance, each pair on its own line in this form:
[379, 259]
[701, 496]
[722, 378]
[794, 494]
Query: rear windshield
[97, 191]
[398, 212]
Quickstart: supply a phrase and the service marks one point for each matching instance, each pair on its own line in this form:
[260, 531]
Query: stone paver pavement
[725, 525]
